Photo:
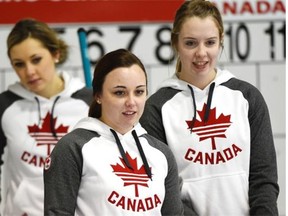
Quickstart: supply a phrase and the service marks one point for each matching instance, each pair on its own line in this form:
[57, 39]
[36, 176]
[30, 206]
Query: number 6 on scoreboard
[85, 58]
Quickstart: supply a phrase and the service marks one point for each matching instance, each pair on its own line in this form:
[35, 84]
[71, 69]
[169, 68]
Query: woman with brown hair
[109, 165]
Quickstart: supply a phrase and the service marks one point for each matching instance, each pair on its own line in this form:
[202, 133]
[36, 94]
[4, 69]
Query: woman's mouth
[129, 113]
[200, 64]
[33, 82]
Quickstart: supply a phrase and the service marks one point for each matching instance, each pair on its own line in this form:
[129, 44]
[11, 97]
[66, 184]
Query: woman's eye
[36, 60]
[191, 43]
[18, 64]
[119, 93]
[211, 43]
[140, 92]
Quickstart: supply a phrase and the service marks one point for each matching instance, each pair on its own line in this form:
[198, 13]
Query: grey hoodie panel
[261, 171]
[84, 94]
[73, 164]
[153, 111]
[167, 208]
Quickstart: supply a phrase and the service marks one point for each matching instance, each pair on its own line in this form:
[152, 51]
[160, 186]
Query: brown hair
[38, 30]
[109, 62]
[194, 8]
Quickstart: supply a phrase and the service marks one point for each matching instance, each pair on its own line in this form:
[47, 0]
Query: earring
[98, 101]
[56, 61]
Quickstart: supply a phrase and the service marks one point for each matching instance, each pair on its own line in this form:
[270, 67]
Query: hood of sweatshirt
[109, 133]
[175, 83]
[71, 85]
[94, 124]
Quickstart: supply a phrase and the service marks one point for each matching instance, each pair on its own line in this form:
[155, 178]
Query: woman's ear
[222, 41]
[56, 57]
[97, 99]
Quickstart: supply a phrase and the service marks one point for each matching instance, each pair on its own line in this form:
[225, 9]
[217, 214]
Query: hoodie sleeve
[263, 186]
[172, 204]
[62, 174]
[151, 119]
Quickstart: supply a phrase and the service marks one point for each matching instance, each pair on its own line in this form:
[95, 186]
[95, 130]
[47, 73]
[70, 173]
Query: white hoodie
[87, 174]
[222, 139]
[30, 126]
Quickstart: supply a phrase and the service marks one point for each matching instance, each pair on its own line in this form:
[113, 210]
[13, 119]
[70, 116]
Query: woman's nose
[201, 50]
[130, 101]
[30, 69]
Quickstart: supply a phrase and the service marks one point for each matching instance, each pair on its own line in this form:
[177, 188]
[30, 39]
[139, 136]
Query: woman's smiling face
[198, 48]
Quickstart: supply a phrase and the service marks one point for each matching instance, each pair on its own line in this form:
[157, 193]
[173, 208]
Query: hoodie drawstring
[39, 111]
[194, 106]
[52, 126]
[208, 106]
[209, 100]
[120, 147]
[146, 165]
[143, 157]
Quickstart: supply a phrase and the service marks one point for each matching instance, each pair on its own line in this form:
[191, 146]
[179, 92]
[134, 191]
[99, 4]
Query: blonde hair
[40, 31]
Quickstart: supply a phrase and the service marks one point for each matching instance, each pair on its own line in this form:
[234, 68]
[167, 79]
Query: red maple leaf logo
[214, 127]
[43, 135]
[134, 177]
